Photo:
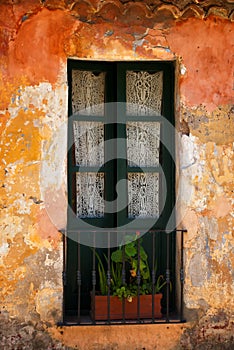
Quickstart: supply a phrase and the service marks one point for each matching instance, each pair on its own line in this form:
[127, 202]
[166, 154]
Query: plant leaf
[130, 250]
[117, 256]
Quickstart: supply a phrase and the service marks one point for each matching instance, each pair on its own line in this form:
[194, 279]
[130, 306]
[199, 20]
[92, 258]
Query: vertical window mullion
[121, 147]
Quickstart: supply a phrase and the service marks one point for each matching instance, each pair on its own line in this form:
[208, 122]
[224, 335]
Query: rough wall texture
[36, 38]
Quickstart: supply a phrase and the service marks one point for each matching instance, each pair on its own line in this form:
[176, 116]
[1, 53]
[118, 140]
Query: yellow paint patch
[9, 89]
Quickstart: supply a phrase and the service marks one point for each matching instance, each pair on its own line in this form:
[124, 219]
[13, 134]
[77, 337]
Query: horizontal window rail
[136, 278]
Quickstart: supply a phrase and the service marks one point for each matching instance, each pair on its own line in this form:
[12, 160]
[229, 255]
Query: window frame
[116, 72]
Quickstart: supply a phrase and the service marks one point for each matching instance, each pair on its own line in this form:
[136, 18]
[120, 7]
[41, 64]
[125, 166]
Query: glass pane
[143, 142]
[90, 195]
[144, 93]
[89, 143]
[88, 92]
[143, 195]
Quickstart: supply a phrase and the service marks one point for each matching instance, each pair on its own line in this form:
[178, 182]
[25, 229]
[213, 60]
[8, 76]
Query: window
[120, 159]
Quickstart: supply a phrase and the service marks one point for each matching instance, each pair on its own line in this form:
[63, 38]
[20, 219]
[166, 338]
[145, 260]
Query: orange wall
[35, 42]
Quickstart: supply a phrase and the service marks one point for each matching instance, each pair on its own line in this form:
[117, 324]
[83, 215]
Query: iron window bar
[168, 317]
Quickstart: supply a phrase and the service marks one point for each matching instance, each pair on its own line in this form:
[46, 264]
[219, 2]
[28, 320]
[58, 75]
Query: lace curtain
[88, 92]
[88, 99]
[90, 194]
[143, 142]
[89, 143]
[144, 98]
[143, 194]
[144, 93]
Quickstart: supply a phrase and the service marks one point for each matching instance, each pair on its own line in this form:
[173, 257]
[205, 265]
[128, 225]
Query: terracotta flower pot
[99, 307]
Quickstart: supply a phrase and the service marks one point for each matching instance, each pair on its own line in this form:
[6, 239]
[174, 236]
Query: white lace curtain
[144, 98]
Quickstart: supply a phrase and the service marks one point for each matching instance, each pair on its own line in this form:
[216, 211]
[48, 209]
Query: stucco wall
[36, 40]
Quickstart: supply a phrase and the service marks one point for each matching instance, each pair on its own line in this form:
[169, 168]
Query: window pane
[88, 92]
[144, 93]
[143, 142]
[90, 195]
[143, 195]
[89, 143]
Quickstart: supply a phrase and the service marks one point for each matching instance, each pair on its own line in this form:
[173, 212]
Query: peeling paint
[33, 115]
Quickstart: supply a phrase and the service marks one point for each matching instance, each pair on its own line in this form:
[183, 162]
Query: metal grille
[170, 273]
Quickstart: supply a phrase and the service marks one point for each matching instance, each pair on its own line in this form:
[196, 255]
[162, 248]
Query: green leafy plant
[132, 257]
[115, 270]
[102, 274]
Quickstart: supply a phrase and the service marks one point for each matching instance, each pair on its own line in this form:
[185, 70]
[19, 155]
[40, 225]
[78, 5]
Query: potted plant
[129, 291]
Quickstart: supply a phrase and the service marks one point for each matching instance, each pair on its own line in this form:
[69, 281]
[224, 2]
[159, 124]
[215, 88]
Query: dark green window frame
[117, 168]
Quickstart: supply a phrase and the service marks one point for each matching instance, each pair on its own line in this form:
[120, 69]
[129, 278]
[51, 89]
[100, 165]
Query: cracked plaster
[33, 109]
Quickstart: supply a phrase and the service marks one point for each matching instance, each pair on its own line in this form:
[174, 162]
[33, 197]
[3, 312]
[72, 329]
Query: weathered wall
[36, 38]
